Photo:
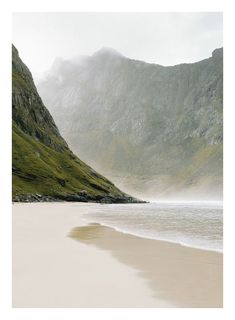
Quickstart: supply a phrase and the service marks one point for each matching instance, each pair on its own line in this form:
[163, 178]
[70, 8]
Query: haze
[162, 38]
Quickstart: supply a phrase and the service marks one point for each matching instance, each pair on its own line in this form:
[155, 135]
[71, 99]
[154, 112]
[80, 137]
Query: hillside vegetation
[44, 167]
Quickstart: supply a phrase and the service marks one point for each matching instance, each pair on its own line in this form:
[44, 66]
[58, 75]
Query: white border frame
[5, 126]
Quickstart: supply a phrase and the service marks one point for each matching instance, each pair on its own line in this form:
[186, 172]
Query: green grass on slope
[40, 169]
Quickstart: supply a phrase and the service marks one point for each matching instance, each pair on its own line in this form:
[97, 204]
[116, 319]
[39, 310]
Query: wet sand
[59, 261]
[186, 276]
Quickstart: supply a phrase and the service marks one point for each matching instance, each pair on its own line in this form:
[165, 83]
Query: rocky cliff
[156, 131]
[44, 168]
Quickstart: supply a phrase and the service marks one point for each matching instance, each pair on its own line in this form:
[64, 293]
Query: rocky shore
[82, 196]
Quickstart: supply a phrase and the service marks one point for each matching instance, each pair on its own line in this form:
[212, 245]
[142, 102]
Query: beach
[59, 260]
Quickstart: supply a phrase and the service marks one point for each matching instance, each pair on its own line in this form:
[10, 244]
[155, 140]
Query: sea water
[195, 224]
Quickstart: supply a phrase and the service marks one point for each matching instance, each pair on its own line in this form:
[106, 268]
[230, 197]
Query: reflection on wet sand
[184, 276]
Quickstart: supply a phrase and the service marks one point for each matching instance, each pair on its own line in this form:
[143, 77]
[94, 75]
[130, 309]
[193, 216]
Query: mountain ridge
[109, 50]
[155, 130]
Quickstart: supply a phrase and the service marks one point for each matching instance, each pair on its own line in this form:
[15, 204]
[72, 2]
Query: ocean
[194, 224]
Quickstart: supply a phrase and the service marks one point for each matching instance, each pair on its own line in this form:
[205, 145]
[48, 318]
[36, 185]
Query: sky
[162, 38]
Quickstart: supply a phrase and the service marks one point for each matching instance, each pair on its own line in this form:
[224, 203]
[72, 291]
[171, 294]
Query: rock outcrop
[43, 166]
[155, 131]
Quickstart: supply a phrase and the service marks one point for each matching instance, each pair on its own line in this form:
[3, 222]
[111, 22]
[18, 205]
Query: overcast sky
[163, 38]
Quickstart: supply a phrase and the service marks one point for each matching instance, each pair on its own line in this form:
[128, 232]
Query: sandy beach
[61, 261]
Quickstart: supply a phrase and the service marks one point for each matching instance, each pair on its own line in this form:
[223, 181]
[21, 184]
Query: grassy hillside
[44, 168]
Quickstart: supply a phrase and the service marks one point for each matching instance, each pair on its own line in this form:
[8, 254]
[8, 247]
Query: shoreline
[152, 238]
[101, 267]
[184, 276]
[81, 197]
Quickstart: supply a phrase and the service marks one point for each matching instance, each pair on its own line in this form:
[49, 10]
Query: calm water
[196, 224]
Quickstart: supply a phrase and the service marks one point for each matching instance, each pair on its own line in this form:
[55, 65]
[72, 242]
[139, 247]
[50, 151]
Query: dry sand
[59, 261]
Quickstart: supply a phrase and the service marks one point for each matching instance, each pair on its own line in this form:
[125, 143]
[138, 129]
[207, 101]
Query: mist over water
[196, 224]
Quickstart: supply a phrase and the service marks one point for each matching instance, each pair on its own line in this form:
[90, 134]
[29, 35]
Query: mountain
[155, 131]
[44, 167]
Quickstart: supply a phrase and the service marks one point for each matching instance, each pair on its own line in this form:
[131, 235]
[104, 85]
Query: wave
[197, 225]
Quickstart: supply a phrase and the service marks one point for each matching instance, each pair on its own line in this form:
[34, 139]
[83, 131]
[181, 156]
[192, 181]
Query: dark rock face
[155, 130]
[28, 110]
[43, 166]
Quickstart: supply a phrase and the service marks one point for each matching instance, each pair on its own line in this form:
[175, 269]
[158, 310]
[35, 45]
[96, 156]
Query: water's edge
[100, 216]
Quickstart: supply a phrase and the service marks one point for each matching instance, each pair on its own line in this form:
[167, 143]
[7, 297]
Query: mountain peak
[107, 51]
[217, 52]
[14, 50]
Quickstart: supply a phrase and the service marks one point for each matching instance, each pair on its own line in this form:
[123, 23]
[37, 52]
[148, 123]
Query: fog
[155, 132]
[163, 38]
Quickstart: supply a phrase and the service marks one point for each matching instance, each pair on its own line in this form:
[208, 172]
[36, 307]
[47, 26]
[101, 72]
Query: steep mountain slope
[157, 131]
[44, 168]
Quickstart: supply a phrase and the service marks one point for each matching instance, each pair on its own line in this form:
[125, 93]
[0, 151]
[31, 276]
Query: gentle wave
[198, 225]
